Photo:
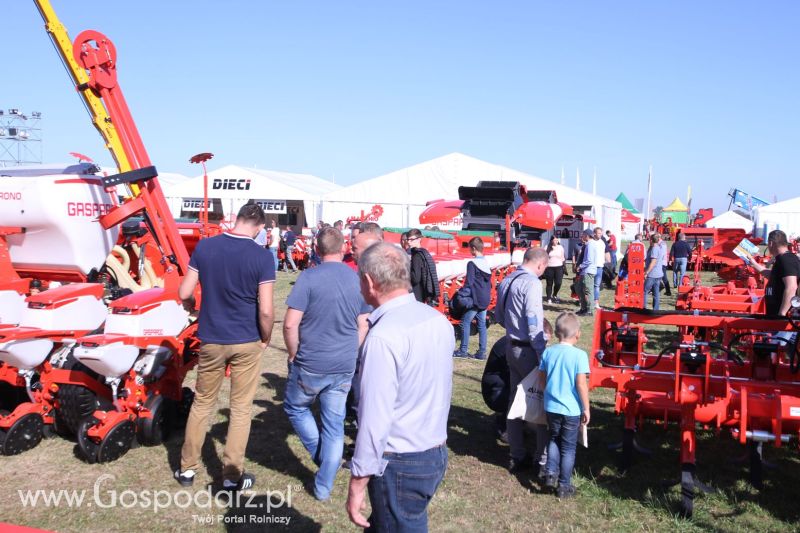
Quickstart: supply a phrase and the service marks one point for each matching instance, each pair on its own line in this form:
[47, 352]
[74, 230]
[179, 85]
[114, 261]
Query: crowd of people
[361, 320]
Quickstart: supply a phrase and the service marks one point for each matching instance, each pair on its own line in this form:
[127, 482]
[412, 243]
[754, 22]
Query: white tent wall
[234, 186]
[730, 219]
[629, 231]
[404, 193]
[784, 216]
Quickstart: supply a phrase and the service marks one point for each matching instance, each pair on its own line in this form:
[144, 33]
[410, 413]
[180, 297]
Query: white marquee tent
[782, 215]
[232, 186]
[403, 193]
[730, 219]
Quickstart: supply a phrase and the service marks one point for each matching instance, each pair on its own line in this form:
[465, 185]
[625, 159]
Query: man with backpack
[519, 310]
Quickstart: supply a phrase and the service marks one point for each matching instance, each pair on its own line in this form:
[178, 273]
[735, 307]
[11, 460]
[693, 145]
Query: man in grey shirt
[664, 265]
[653, 271]
[519, 310]
[325, 322]
[406, 384]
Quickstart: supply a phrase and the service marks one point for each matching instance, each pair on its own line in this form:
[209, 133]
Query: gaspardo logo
[251, 507]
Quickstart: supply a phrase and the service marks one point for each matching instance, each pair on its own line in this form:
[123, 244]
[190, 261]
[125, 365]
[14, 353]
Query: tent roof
[627, 216]
[791, 205]
[264, 184]
[441, 177]
[676, 205]
[730, 219]
[626, 204]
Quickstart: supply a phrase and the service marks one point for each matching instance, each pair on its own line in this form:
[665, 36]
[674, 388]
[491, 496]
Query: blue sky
[706, 92]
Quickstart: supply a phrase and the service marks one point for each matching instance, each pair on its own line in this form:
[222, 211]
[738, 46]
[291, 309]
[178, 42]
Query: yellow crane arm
[94, 105]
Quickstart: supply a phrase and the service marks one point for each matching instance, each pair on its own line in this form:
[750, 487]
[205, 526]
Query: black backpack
[461, 303]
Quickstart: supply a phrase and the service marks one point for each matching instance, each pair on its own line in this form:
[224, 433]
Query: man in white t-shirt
[274, 240]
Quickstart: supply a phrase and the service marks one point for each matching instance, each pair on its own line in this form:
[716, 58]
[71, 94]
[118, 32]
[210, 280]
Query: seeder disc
[23, 435]
[86, 444]
[117, 442]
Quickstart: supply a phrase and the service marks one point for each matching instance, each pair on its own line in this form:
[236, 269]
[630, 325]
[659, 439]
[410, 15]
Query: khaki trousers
[245, 362]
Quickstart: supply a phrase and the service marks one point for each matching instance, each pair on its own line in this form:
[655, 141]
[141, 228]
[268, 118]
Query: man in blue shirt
[323, 328]
[235, 326]
[289, 238]
[680, 252]
[591, 270]
[653, 271]
[406, 385]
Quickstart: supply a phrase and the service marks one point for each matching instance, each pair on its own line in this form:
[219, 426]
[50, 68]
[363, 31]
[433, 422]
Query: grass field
[477, 493]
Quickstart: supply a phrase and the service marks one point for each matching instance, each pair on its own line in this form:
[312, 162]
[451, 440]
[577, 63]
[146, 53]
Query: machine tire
[153, 431]
[76, 403]
[185, 405]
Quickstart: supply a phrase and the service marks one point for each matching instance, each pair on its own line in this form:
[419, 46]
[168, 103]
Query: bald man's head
[362, 241]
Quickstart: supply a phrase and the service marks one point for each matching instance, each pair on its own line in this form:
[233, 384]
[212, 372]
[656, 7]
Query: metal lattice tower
[20, 137]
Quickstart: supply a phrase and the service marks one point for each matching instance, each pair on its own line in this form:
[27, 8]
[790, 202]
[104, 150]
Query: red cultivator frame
[724, 371]
[741, 294]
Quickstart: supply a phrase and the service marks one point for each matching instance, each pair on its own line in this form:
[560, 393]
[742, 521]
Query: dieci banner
[273, 206]
[194, 204]
[269, 206]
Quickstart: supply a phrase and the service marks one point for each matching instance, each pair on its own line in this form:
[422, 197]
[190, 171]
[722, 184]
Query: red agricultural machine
[724, 371]
[742, 294]
[103, 355]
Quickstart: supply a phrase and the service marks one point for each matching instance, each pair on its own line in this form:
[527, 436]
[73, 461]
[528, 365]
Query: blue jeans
[274, 252]
[289, 260]
[466, 326]
[652, 285]
[598, 281]
[325, 447]
[400, 497]
[679, 269]
[561, 449]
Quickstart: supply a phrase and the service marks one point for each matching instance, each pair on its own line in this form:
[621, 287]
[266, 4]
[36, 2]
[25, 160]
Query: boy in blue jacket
[479, 280]
[565, 370]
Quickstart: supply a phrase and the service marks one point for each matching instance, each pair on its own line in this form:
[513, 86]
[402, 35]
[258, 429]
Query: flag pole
[649, 191]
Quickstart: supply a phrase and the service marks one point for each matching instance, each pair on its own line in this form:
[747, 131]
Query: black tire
[75, 404]
[185, 405]
[155, 430]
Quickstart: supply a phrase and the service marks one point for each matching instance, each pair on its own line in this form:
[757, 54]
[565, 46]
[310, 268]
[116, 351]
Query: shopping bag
[528, 401]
